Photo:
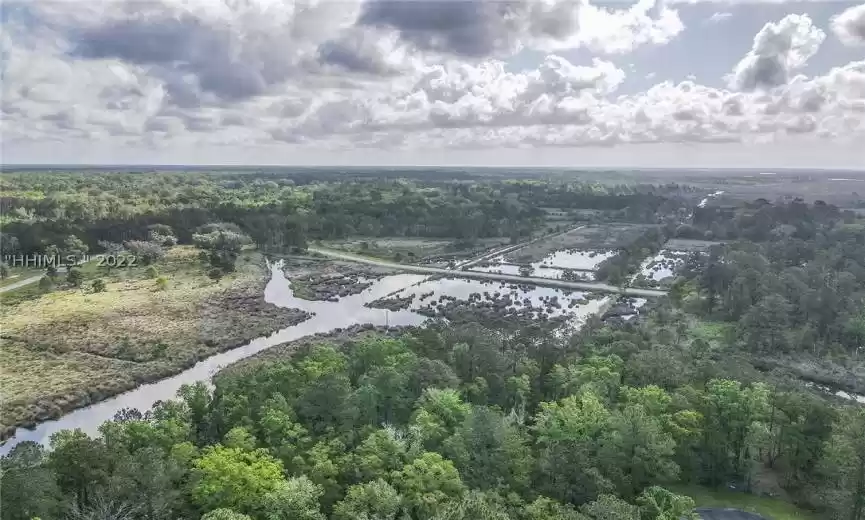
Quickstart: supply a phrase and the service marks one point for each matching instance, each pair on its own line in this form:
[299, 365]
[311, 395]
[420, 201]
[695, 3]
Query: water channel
[327, 316]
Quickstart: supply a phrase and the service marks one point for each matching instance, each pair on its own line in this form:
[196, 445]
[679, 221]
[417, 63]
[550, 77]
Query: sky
[656, 83]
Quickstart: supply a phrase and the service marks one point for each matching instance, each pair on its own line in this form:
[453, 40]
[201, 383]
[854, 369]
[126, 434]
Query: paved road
[528, 280]
[508, 249]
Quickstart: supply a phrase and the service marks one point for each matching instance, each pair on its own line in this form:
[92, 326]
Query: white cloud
[849, 26]
[267, 73]
[779, 49]
[719, 17]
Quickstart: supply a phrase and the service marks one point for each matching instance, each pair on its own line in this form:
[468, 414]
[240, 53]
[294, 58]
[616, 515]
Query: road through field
[527, 280]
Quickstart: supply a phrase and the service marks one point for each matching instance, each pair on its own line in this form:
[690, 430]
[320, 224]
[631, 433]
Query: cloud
[778, 50]
[482, 28]
[255, 73]
[230, 50]
[719, 17]
[849, 26]
[560, 104]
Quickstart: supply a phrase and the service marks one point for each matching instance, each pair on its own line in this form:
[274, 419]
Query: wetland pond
[327, 316]
[553, 265]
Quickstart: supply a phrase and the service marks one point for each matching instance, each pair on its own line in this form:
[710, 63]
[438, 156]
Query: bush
[4, 270]
[146, 252]
[75, 276]
[98, 285]
[151, 272]
[161, 283]
[215, 274]
[46, 284]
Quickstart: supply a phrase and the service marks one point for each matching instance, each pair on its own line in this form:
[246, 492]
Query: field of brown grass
[72, 347]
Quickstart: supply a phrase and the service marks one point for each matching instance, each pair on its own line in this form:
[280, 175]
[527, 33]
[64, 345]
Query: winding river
[328, 316]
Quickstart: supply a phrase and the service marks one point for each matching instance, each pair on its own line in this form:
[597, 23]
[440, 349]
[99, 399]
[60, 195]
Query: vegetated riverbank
[318, 280]
[848, 376]
[286, 350]
[71, 348]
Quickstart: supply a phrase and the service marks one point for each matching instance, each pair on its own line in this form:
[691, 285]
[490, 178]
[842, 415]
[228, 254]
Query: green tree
[374, 500]
[74, 249]
[225, 514]
[636, 451]
[842, 486]
[428, 483]
[544, 508]
[380, 454]
[234, 478]
[656, 503]
[568, 434]
[82, 465]
[610, 507]
[475, 505]
[490, 451]
[733, 414]
[294, 499]
[27, 486]
[438, 413]
[240, 438]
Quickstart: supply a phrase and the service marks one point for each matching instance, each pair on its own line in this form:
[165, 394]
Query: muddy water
[327, 316]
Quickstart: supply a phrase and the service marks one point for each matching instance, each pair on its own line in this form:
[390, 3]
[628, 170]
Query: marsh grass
[73, 346]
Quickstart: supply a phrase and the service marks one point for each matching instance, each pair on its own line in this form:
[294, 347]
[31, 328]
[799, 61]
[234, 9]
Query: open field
[68, 348]
[770, 508]
[412, 249]
[683, 244]
[602, 237]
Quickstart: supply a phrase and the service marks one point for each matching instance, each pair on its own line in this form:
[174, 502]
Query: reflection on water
[521, 297]
[553, 265]
[327, 316]
[346, 312]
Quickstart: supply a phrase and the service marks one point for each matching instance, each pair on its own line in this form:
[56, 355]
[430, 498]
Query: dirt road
[528, 280]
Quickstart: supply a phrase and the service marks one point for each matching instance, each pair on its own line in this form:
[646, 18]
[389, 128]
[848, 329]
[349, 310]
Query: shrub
[215, 274]
[161, 283]
[151, 272]
[146, 252]
[46, 284]
[4, 270]
[75, 276]
[98, 285]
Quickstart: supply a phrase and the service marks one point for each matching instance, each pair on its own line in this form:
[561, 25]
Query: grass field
[73, 346]
[770, 508]
[600, 236]
[406, 249]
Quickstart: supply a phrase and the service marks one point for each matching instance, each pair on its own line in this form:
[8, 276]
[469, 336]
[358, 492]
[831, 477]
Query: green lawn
[770, 508]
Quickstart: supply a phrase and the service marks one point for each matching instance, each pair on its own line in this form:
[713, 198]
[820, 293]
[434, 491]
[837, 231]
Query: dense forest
[620, 420]
[452, 422]
[277, 212]
[794, 281]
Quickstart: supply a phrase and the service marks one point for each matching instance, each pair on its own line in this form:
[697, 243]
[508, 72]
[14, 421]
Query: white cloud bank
[413, 75]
